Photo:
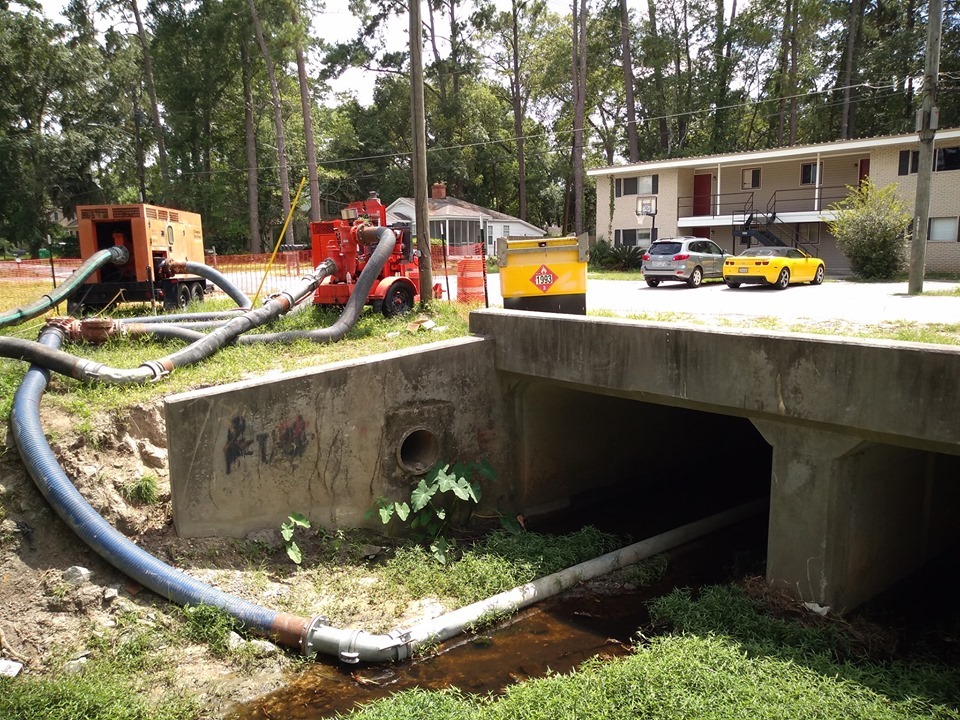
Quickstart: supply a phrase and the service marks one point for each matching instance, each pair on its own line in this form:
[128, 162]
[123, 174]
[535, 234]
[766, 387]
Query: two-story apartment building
[781, 195]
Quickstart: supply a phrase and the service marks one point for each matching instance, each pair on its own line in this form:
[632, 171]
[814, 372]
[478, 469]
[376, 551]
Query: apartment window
[909, 162]
[750, 178]
[809, 172]
[506, 231]
[633, 237]
[948, 158]
[637, 185]
[943, 230]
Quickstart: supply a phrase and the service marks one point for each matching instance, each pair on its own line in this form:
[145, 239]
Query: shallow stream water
[601, 618]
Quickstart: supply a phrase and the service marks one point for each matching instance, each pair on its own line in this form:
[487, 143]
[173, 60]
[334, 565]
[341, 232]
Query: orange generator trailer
[152, 235]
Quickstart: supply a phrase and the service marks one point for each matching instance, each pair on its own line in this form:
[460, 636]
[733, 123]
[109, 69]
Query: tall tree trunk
[633, 147]
[723, 49]
[792, 73]
[782, 67]
[277, 117]
[661, 103]
[846, 110]
[684, 92]
[579, 113]
[515, 92]
[250, 135]
[310, 145]
[154, 105]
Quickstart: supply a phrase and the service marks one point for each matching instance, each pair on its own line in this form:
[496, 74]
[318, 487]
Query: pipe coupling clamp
[158, 369]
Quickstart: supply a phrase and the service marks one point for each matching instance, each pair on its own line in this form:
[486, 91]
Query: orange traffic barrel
[470, 281]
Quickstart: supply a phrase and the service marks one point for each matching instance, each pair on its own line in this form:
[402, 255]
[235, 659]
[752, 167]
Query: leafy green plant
[287, 530]
[871, 229]
[600, 255]
[443, 492]
[625, 257]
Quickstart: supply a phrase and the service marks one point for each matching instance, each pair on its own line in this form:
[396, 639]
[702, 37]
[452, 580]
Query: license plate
[661, 264]
[742, 269]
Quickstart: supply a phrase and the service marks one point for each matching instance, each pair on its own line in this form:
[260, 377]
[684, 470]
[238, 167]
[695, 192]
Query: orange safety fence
[22, 282]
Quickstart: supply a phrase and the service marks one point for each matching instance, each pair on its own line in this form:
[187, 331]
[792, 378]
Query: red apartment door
[702, 187]
[864, 170]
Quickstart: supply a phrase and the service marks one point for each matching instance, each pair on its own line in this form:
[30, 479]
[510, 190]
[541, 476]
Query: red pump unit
[397, 288]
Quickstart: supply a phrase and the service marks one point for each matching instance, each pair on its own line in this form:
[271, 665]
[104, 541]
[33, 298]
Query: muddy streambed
[599, 618]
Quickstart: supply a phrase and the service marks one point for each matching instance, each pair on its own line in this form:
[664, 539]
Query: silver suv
[690, 259]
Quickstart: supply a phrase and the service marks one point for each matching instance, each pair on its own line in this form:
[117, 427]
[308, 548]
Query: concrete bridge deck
[856, 442]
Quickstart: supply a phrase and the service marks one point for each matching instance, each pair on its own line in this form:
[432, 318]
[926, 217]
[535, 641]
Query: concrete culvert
[419, 451]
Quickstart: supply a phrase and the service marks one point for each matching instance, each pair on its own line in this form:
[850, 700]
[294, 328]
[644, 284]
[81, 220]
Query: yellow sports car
[772, 265]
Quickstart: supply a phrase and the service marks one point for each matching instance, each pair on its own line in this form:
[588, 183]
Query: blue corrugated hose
[96, 532]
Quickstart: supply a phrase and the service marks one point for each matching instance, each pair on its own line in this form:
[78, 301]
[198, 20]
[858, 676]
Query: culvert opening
[418, 451]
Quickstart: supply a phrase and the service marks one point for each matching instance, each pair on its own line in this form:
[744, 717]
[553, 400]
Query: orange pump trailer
[152, 235]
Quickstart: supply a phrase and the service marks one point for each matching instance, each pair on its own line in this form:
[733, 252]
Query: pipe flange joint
[307, 645]
[158, 369]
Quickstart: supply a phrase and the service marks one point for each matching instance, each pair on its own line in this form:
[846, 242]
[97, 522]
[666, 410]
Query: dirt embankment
[49, 614]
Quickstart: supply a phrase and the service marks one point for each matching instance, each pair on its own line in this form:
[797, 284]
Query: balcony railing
[741, 204]
[735, 203]
[806, 199]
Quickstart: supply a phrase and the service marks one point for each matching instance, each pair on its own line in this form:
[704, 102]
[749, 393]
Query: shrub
[599, 255]
[625, 257]
[871, 230]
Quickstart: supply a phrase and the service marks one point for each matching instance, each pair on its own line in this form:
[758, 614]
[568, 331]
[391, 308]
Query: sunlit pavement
[834, 301]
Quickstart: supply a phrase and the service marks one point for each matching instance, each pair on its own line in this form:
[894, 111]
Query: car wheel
[696, 277]
[397, 300]
[652, 282]
[732, 284]
[818, 277]
[783, 280]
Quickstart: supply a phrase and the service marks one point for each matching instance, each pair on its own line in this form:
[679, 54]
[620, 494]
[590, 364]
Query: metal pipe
[116, 254]
[353, 646]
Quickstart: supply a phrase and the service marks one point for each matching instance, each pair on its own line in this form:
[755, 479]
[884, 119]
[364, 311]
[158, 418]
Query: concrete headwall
[325, 441]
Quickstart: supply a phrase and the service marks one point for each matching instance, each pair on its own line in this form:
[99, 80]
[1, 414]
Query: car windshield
[665, 248]
[764, 252]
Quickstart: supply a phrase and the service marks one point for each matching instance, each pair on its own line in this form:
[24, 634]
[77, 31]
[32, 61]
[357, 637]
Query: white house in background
[779, 196]
[460, 223]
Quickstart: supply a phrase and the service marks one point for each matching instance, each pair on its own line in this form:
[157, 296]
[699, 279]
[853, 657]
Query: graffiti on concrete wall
[287, 440]
[237, 444]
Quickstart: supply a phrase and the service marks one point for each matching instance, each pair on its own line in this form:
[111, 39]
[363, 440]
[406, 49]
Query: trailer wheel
[196, 292]
[176, 297]
[398, 300]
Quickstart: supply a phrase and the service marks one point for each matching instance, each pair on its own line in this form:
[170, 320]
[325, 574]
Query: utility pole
[927, 123]
[419, 123]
